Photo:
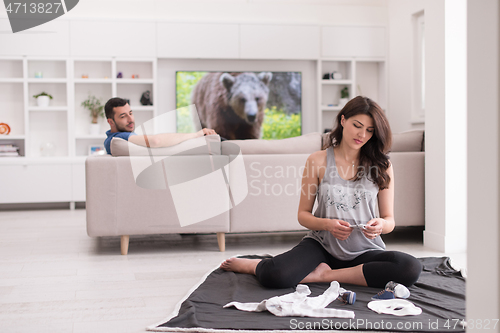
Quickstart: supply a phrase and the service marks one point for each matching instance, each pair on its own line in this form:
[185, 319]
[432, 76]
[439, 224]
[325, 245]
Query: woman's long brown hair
[373, 155]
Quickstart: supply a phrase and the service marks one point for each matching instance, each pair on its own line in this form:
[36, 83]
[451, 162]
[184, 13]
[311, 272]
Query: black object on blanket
[440, 292]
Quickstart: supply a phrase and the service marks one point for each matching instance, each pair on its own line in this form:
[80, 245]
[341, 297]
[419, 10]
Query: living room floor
[54, 278]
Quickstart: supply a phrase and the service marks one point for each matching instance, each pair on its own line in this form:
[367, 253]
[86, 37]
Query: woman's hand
[374, 228]
[205, 131]
[338, 228]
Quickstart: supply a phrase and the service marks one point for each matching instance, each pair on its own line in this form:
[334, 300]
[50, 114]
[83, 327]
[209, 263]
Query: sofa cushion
[304, 144]
[408, 141]
[120, 147]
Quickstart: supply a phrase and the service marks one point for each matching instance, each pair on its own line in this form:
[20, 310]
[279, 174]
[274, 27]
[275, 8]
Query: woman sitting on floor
[352, 179]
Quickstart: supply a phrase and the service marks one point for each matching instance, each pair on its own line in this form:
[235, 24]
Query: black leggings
[379, 267]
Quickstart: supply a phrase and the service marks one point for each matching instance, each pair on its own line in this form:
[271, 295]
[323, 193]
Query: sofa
[234, 186]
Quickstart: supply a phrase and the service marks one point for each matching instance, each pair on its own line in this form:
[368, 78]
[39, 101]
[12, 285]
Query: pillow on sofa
[197, 146]
[304, 144]
[407, 141]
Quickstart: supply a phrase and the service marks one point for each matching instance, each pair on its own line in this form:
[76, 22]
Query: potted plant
[43, 99]
[344, 97]
[93, 104]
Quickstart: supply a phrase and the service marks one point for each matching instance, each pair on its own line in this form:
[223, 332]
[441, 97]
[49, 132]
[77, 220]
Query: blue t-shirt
[122, 135]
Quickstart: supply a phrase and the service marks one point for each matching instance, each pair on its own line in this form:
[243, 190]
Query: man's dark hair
[111, 104]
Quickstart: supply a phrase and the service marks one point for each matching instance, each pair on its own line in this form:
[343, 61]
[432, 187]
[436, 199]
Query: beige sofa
[122, 202]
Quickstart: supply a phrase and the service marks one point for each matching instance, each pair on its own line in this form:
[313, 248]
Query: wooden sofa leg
[124, 244]
[221, 240]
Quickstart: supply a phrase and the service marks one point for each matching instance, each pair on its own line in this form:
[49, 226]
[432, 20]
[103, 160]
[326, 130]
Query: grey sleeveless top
[355, 202]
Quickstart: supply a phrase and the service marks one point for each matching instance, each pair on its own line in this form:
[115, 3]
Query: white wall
[483, 141]
[445, 128]
[445, 125]
[400, 62]
[168, 67]
[455, 127]
[337, 12]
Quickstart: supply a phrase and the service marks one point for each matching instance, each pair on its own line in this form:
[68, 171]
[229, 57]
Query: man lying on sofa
[121, 120]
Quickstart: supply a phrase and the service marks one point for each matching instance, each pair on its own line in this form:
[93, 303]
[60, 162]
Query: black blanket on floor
[439, 292]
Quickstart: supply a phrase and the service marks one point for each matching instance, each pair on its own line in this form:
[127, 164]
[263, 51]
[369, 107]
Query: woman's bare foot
[240, 265]
[318, 274]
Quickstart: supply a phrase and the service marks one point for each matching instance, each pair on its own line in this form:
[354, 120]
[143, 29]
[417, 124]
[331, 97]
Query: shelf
[50, 69]
[11, 69]
[133, 67]
[361, 76]
[54, 87]
[12, 137]
[49, 108]
[11, 80]
[64, 123]
[342, 82]
[135, 81]
[95, 69]
[42, 80]
[93, 80]
[10, 159]
[330, 108]
[62, 129]
[90, 137]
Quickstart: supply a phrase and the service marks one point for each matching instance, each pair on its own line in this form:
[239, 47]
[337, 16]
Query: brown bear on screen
[232, 103]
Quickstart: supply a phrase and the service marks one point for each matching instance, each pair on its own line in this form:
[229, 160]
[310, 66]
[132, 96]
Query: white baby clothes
[297, 304]
[397, 307]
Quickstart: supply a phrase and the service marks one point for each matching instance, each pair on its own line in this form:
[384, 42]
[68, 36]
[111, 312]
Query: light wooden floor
[54, 278]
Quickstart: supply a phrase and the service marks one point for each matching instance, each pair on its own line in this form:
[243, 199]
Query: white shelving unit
[101, 81]
[12, 105]
[64, 125]
[47, 125]
[90, 77]
[365, 77]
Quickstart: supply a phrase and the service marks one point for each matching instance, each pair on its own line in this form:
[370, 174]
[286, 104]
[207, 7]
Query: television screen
[240, 105]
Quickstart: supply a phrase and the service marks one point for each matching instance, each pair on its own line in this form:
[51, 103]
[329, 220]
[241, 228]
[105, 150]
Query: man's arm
[167, 139]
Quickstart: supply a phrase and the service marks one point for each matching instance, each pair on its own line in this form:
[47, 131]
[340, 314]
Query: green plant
[344, 93]
[43, 93]
[93, 104]
[185, 83]
[278, 125]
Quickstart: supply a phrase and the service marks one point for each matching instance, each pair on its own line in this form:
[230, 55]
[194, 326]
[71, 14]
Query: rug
[439, 292]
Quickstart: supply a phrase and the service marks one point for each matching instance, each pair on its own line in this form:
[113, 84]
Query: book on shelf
[9, 151]
[8, 154]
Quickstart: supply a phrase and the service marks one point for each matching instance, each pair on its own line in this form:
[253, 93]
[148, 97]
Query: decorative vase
[43, 101]
[343, 102]
[4, 128]
[95, 129]
[47, 149]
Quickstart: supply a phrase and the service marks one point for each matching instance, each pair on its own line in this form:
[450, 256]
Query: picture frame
[97, 150]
